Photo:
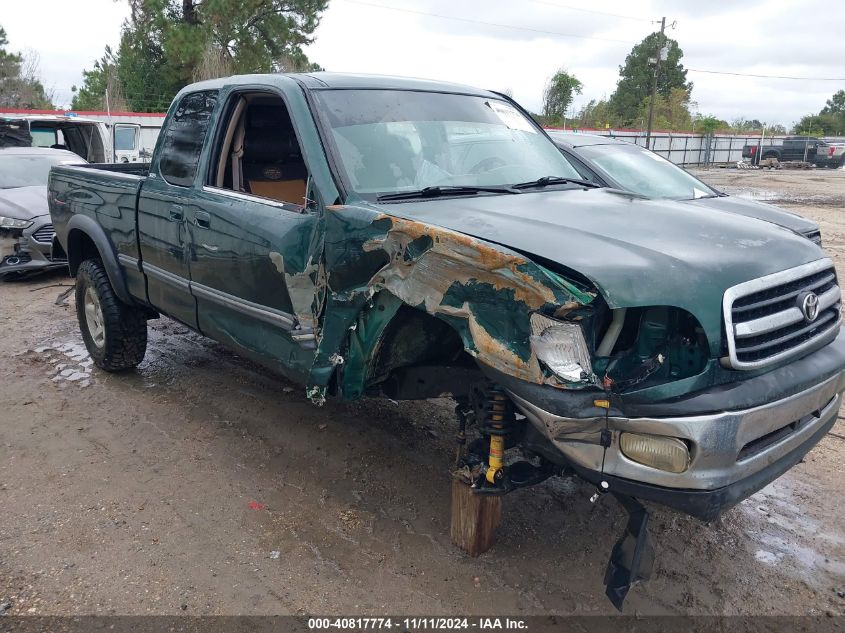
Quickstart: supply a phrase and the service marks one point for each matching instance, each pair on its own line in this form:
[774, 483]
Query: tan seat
[272, 163]
[282, 190]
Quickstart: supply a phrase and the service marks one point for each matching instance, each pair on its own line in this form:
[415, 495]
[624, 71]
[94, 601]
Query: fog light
[664, 453]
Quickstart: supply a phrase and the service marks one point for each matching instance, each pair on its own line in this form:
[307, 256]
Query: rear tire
[115, 333]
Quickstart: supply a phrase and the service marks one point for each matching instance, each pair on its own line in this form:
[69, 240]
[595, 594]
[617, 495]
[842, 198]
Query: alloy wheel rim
[94, 318]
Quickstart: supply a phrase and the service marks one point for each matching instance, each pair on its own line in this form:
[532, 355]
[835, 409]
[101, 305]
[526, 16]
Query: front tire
[115, 333]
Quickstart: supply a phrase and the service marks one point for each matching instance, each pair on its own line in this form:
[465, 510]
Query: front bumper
[707, 505]
[29, 250]
[737, 444]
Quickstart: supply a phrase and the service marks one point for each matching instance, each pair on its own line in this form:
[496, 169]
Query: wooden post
[474, 518]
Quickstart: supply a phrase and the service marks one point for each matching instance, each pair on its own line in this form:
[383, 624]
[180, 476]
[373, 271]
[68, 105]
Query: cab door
[255, 239]
[166, 201]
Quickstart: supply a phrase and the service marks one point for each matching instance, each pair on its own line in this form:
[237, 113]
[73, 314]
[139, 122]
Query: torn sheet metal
[302, 287]
[484, 291]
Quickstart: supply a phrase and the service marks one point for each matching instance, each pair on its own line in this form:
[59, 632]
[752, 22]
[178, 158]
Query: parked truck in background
[833, 154]
[790, 148]
[412, 239]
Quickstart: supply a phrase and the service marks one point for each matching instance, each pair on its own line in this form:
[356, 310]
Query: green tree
[166, 44]
[709, 124]
[836, 104]
[558, 94]
[742, 125]
[670, 112]
[827, 124]
[99, 81]
[637, 74]
[147, 79]
[596, 114]
[830, 121]
[19, 83]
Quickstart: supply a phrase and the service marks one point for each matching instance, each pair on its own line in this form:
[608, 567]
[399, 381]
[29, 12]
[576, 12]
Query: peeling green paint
[495, 310]
[375, 263]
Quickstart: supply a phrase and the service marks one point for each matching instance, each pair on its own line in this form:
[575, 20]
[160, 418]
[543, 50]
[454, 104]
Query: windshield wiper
[441, 191]
[545, 181]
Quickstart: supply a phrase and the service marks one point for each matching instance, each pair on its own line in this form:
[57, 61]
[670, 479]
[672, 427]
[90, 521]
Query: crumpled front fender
[484, 291]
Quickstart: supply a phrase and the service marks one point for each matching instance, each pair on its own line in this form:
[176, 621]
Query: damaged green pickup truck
[372, 236]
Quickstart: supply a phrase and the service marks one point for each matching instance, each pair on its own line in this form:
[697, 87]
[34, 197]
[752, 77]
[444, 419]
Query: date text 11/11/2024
[417, 623]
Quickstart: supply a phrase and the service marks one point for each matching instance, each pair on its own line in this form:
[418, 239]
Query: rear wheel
[115, 333]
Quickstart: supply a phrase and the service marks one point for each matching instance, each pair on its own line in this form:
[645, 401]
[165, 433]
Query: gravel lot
[202, 484]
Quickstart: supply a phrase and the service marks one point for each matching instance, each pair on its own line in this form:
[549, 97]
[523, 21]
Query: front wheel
[115, 333]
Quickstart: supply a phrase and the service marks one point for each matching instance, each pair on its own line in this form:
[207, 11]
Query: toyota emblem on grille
[810, 306]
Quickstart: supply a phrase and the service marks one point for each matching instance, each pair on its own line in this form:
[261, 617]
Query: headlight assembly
[14, 223]
[561, 347]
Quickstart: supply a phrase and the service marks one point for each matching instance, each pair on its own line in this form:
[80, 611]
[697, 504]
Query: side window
[184, 137]
[259, 153]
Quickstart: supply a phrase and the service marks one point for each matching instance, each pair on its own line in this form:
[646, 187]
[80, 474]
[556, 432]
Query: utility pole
[660, 45]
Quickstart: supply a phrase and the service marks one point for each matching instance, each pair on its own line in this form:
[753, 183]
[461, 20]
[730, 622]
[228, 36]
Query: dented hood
[637, 252]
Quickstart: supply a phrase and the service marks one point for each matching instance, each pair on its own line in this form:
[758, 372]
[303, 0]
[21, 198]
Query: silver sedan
[26, 232]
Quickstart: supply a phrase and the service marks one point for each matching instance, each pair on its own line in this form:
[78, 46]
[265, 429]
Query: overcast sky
[517, 44]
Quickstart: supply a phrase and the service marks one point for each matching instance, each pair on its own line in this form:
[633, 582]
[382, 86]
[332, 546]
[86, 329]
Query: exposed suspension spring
[497, 412]
[497, 423]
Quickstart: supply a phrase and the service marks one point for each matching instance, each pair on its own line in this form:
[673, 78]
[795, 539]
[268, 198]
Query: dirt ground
[201, 484]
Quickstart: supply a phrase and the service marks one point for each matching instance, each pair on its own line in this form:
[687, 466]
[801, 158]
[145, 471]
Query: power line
[503, 26]
[724, 72]
[605, 13]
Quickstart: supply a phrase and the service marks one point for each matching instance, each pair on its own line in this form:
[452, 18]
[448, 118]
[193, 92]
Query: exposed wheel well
[80, 247]
[420, 356]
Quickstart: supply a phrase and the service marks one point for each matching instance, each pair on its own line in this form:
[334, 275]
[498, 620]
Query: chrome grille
[44, 234]
[766, 323]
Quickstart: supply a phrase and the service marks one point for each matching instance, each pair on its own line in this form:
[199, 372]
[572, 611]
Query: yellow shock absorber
[497, 457]
[496, 462]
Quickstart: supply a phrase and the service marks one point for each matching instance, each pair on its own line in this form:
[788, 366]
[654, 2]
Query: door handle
[202, 219]
[176, 213]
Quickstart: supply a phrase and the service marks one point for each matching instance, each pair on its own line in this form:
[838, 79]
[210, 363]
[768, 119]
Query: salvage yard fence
[690, 149]
[682, 148]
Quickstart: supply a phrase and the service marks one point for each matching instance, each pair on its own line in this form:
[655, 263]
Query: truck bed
[104, 194]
